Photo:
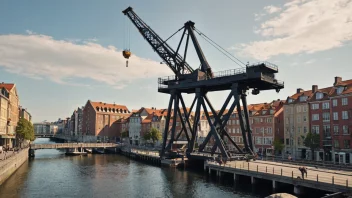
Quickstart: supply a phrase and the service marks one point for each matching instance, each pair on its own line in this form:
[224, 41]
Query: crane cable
[213, 43]
[126, 35]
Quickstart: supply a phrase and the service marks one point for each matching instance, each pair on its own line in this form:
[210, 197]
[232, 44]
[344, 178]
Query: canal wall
[10, 165]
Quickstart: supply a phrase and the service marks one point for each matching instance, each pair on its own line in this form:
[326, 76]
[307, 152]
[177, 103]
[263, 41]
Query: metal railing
[72, 145]
[266, 63]
[287, 172]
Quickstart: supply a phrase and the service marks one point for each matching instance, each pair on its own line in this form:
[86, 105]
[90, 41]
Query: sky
[62, 53]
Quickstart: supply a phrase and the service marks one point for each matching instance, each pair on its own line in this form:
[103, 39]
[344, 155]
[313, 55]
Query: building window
[315, 117]
[262, 130]
[304, 118]
[315, 106]
[315, 129]
[272, 112]
[261, 119]
[336, 144]
[344, 115]
[298, 109]
[305, 129]
[290, 100]
[336, 115]
[270, 130]
[238, 130]
[299, 129]
[257, 130]
[263, 112]
[299, 119]
[268, 120]
[319, 96]
[303, 98]
[326, 105]
[344, 101]
[334, 102]
[345, 129]
[346, 144]
[336, 129]
[340, 90]
[326, 130]
[326, 117]
[299, 141]
[305, 108]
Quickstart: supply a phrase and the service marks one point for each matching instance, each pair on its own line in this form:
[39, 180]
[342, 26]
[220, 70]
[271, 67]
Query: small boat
[98, 151]
[75, 153]
[88, 150]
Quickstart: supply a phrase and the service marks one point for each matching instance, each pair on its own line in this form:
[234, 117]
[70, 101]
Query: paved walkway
[7, 154]
[342, 178]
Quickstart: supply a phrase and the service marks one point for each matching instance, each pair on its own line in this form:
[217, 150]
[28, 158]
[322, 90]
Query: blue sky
[62, 53]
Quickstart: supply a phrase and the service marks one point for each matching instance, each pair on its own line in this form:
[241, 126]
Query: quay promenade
[322, 179]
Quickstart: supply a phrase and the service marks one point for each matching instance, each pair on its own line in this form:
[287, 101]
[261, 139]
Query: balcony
[327, 142]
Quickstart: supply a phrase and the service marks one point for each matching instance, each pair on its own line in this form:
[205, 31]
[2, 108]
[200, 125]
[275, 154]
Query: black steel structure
[258, 77]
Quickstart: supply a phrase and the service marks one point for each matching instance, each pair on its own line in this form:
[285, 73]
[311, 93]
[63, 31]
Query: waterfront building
[326, 112]
[264, 119]
[12, 115]
[4, 115]
[98, 119]
[23, 113]
[140, 122]
[42, 128]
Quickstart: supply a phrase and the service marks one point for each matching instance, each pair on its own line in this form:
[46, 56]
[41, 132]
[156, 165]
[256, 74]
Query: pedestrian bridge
[73, 145]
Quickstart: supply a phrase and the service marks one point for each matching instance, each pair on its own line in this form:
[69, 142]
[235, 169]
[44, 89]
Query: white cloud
[303, 26]
[271, 9]
[309, 61]
[42, 57]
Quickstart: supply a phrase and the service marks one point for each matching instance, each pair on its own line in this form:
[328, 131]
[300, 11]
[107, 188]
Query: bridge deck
[73, 145]
[322, 179]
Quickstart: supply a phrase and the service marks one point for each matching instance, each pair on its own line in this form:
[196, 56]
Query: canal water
[52, 174]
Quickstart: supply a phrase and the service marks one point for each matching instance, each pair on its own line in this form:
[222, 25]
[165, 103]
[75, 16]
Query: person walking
[302, 171]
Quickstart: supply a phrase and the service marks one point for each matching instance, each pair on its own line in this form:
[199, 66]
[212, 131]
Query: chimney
[314, 88]
[278, 99]
[337, 80]
[299, 90]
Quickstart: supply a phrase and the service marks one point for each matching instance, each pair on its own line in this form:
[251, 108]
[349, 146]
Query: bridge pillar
[235, 177]
[274, 184]
[297, 190]
[253, 180]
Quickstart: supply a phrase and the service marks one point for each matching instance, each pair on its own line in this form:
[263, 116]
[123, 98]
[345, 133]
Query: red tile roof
[7, 86]
[109, 106]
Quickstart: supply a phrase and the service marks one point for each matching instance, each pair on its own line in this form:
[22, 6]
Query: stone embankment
[11, 164]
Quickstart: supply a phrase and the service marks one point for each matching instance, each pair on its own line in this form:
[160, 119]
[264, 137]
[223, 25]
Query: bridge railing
[72, 145]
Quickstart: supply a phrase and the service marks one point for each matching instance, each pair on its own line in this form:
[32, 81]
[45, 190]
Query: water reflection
[52, 174]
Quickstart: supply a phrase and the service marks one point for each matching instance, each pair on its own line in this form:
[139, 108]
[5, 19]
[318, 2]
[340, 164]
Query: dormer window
[263, 112]
[340, 90]
[290, 100]
[271, 111]
[319, 96]
[303, 98]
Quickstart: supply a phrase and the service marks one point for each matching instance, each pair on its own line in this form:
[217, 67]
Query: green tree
[278, 145]
[125, 134]
[24, 131]
[312, 141]
[153, 134]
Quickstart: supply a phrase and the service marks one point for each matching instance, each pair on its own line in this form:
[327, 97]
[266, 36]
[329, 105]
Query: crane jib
[174, 60]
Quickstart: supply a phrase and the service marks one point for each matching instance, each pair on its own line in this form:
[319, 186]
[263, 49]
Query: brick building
[326, 112]
[264, 119]
[99, 120]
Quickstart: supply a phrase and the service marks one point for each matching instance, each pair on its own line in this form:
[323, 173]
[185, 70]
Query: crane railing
[266, 63]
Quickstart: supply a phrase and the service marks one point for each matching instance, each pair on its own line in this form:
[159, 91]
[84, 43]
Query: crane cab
[126, 54]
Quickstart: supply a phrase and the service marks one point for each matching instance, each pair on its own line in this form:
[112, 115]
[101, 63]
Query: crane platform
[257, 76]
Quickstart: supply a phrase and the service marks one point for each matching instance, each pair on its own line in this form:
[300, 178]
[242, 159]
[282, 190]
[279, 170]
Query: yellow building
[9, 114]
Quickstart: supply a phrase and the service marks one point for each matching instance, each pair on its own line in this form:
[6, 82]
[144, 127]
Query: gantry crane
[259, 76]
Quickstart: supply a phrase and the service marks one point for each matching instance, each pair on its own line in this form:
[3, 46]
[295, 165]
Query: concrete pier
[10, 165]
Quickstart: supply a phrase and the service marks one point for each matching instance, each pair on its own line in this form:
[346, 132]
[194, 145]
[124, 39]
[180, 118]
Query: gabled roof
[109, 106]
[7, 86]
